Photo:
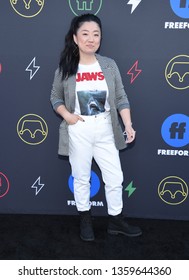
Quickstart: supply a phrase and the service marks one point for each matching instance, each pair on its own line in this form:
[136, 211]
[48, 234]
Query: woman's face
[88, 38]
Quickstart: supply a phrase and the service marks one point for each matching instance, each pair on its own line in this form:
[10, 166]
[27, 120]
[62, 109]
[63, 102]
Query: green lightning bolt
[130, 189]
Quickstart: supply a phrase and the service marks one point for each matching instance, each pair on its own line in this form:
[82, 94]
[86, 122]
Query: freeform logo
[27, 8]
[177, 72]
[94, 189]
[181, 9]
[175, 132]
[90, 6]
[4, 185]
[173, 190]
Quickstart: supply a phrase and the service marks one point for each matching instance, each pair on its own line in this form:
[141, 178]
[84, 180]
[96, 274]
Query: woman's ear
[75, 39]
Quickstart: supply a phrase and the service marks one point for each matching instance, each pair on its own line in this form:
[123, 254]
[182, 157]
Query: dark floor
[56, 237]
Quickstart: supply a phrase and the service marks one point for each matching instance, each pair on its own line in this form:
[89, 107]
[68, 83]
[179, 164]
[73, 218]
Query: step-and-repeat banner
[149, 41]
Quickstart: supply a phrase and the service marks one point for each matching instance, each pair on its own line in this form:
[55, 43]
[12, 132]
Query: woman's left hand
[130, 132]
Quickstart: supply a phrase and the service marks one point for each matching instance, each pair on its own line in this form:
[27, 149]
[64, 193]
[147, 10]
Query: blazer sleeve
[122, 101]
[57, 92]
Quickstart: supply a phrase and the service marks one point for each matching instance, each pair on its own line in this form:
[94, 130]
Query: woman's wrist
[128, 124]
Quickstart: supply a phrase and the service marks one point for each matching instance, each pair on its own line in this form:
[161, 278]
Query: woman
[88, 93]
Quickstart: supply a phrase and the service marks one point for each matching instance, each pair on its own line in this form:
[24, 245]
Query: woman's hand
[72, 118]
[130, 133]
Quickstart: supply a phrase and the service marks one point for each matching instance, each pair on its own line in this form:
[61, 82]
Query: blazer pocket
[63, 147]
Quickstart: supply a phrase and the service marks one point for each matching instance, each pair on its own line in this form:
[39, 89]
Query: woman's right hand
[72, 118]
[69, 117]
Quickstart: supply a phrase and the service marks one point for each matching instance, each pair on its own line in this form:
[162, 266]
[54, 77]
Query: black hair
[69, 58]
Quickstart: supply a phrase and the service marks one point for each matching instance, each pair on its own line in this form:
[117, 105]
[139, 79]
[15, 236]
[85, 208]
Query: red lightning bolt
[134, 71]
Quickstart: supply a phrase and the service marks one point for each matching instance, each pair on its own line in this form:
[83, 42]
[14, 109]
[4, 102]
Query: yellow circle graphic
[177, 72]
[173, 190]
[32, 129]
[27, 8]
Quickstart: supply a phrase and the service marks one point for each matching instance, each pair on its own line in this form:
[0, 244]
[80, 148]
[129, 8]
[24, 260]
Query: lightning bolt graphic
[134, 71]
[37, 185]
[134, 4]
[31, 68]
[130, 189]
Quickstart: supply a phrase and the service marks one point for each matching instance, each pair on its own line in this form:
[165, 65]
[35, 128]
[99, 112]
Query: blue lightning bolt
[134, 71]
[37, 186]
[134, 4]
[130, 189]
[33, 66]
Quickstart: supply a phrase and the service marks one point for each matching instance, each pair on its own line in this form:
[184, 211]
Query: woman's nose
[91, 38]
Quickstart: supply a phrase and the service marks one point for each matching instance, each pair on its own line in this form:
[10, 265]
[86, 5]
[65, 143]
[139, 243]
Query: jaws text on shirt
[89, 76]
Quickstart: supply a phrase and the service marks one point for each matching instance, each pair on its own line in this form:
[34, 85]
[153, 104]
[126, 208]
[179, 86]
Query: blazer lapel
[108, 74]
[71, 90]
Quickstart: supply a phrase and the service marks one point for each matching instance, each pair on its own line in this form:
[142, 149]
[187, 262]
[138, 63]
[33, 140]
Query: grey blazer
[63, 92]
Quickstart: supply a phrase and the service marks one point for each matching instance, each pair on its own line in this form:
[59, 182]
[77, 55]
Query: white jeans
[94, 139]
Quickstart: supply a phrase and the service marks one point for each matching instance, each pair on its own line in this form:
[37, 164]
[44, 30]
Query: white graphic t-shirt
[91, 90]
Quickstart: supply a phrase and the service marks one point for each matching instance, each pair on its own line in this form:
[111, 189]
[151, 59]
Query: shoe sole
[87, 239]
[116, 232]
